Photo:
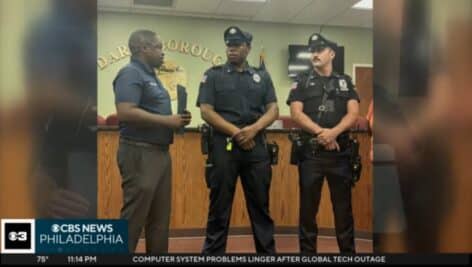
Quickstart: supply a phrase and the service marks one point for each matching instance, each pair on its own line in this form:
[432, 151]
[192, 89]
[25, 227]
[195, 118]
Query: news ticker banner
[50, 242]
[236, 259]
[42, 236]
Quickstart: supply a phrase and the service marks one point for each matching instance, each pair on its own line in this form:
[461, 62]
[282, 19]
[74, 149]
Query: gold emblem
[170, 74]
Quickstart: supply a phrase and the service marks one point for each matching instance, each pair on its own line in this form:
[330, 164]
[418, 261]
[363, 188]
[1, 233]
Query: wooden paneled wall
[190, 194]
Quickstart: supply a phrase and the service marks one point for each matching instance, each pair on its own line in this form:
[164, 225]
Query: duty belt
[312, 143]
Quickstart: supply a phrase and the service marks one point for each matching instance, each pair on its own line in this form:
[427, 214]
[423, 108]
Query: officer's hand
[327, 136]
[245, 134]
[332, 146]
[178, 120]
[248, 145]
[186, 117]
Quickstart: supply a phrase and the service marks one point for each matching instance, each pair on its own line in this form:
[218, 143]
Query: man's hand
[179, 120]
[187, 117]
[248, 145]
[245, 134]
[332, 146]
[327, 136]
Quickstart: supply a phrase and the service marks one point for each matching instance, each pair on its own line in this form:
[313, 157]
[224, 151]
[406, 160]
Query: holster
[296, 152]
[273, 149]
[206, 138]
[356, 161]
[207, 147]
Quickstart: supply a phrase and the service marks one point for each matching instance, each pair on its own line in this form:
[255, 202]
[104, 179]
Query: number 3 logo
[20, 236]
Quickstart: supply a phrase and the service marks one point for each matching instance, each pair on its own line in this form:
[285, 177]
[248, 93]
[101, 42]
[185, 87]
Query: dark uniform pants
[221, 178]
[338, 173]
[146, 182]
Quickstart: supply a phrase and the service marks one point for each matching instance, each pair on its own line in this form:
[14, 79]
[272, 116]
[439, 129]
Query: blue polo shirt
[137, 83]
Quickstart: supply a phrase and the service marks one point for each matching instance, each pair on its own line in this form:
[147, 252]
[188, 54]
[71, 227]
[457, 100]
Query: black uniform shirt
[239, 97]
[310, 88]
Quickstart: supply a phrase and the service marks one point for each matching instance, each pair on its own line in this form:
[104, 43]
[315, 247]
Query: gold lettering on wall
[217, 60]
[195, 51]
[171, 45]
[184, 47]
[207, 55]
[178, 46]
[123, 51]
[102, 62]
[116, 55]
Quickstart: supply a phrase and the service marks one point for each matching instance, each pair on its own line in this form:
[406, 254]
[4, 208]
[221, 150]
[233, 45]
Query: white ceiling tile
[199, 6]
[322, 11]
[241, 9]
[354, 18]
[281, 10]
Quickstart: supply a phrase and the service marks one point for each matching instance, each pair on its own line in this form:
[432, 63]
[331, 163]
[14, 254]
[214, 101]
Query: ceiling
[311, 12]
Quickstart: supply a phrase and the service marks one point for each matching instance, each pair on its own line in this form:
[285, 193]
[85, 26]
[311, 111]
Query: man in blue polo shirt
[146, 131]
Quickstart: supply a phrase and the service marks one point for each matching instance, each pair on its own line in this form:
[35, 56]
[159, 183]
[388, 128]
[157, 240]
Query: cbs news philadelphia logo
[18, 236]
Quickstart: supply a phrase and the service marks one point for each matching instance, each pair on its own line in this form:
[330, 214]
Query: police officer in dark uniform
[325, 105]
[238, 101]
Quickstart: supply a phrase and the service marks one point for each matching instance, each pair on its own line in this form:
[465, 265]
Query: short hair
[138, 39]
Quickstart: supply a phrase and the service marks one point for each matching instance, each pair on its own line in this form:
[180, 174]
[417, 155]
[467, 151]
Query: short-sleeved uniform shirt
[310, 87]
[137, 83]
[239, 97]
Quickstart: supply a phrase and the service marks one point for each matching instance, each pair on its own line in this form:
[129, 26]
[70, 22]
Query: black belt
[312, 143]
[132, 142]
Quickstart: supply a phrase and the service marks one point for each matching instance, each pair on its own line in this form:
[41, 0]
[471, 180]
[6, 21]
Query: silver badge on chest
[343, 85]
[256, 77]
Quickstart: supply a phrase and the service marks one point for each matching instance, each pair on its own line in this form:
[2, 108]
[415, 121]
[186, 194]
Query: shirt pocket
[255, 94]
[226, 96]
[312, 100]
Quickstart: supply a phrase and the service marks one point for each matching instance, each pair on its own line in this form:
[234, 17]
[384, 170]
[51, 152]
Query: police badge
[256, 77]
[343, 85]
